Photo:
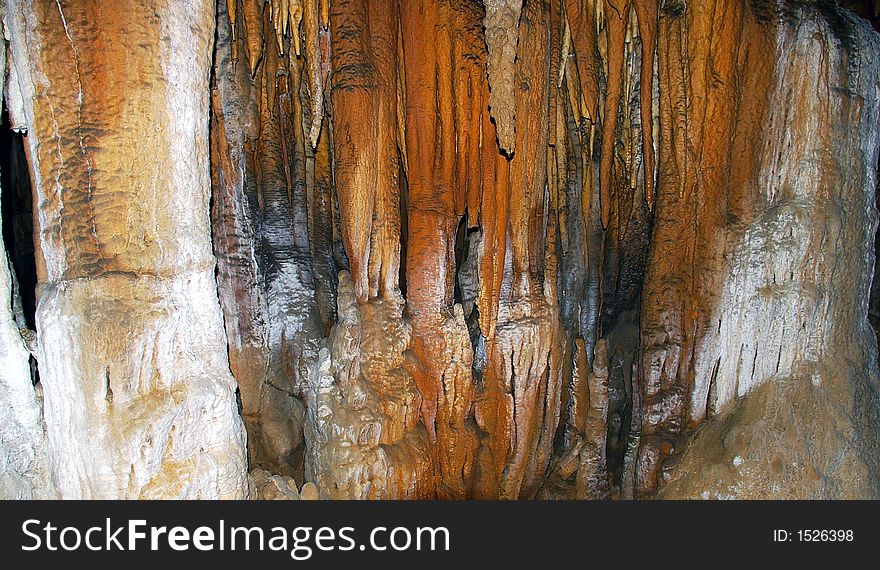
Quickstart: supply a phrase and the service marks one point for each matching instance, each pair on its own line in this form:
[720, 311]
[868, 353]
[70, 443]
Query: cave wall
[449, 249]
[23, 452]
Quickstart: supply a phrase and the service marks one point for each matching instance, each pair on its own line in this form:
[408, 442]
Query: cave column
[139, 400]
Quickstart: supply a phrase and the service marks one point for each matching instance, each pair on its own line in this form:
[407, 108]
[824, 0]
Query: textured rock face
[464, 249]
[23, 458]
[139, 401]
[266, 179]
[267, 487]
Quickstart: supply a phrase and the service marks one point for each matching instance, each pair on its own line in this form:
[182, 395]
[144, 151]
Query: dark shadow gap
[461, 252]
[18, 218]
[404, 226]
[18, 228]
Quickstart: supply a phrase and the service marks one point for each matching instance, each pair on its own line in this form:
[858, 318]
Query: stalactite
[319, 179]
[581, 20]
[252, 10]
[647, 14]
[232, 11]
[493, 224]
[469, 96]
[286, 17]
[616, 20]
[502, 37]
[365, 134]
[314, 63]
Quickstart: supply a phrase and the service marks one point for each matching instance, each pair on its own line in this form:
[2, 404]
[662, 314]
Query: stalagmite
[265, 486]
[366, 441]
[592, 477]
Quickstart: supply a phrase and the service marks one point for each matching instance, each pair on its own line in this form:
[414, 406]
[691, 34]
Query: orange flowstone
[364, 93]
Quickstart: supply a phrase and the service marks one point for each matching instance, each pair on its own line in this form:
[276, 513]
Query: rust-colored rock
[364, 90]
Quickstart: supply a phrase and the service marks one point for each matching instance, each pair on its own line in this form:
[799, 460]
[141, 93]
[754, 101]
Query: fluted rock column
[139, 400]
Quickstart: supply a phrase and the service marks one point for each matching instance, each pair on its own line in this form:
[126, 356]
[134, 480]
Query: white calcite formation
[23, 462]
